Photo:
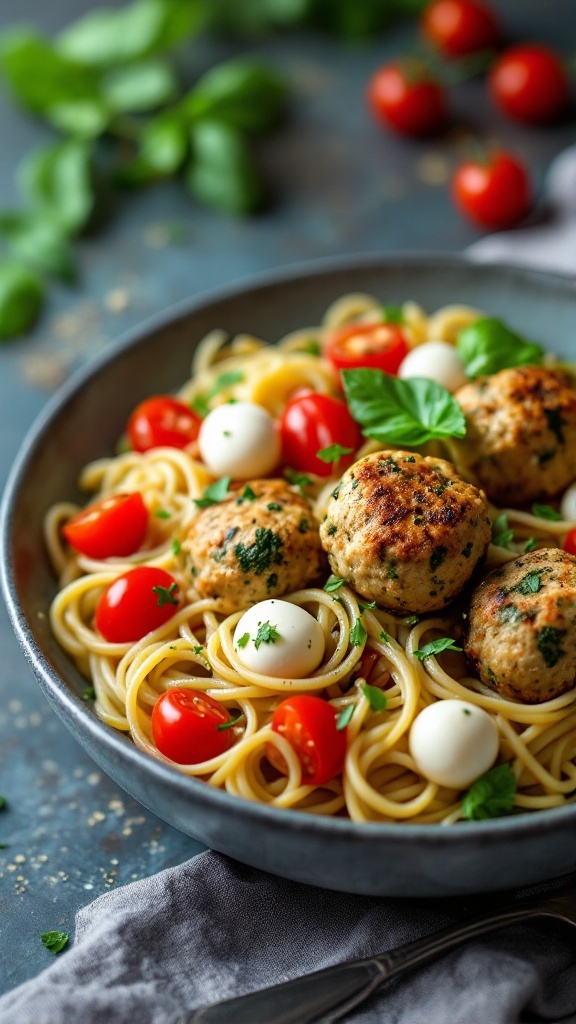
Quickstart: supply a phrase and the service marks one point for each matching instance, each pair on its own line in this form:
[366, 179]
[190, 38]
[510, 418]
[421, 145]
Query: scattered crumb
[117, 300]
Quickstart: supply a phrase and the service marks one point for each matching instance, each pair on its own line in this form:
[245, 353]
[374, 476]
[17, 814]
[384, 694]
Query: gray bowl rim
[72, 709]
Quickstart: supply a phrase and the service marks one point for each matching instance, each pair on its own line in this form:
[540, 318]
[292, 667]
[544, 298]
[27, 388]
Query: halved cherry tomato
[405, 96]
[311, 422]
[113, 527]
[135, 603]
[570, 542]
[529, 83]
[378, 346]
[185, 726]
[162, 421]
[459, 27]
[495, 194]
[309, 725]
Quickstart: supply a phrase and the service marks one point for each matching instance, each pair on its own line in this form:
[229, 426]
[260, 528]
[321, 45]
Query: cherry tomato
[312, 422]
[570, 542]
[115, 526]
[495, 194]
[136, 603]
[459, 27]
[309, 725]
[162, 421]
[377, 346]
[185, 726]
[529, 83]
[406, 98]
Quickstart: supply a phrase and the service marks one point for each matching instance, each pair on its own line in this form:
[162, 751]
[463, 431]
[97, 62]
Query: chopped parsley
[225, 380]
[333, 583]
[273, 506]
[446, 643]
[198, 648]
[549, 643]
[375, 697]
[368, 606]
[529, 584]
[88, 694]
[259, 556]
[2, 803]
[556, 423]
[393, 315]
[310, 347]
[331, 530]
[247, 495]
[344, 717]
[491, 795]
[243, 640]
[176, 546]
[531, 543]
[303, 525]
[299, 480]
[272, 580]
[501, 534]
[546, 512]
[437, 557]
[161, 513]
[385, 636]
[166, 595]
[358, 634]
[333, 453]
[267, 634]
[54, 941]
[410, 620]
[510, 614]
[214, 493]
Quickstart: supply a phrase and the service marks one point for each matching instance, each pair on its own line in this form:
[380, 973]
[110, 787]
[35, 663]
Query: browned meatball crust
[245, 550]
[404, 530]
[521, 634]
[520, 440]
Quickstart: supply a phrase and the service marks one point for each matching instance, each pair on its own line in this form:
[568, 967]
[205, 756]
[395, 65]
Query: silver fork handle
[327, 995]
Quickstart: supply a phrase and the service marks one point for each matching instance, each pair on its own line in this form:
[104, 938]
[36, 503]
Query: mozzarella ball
[568, 504]
[436, 360]
[453, 743]
[291, 648]
[240, 440]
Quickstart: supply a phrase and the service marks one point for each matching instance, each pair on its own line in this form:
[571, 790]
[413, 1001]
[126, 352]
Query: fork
[328, 995]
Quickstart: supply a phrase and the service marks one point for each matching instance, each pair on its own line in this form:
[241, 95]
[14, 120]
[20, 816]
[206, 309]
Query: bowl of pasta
[304, 581]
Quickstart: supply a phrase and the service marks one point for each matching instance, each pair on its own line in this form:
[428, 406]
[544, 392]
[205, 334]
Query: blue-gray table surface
[341, 186]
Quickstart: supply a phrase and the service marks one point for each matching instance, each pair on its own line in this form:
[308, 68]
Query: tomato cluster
[526, 82]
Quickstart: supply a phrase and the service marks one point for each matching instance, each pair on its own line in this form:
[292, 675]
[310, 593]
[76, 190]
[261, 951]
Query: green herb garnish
[89, 693]
[214, 493]
[299, 480]
[161, 513]
[488, 346]
[243, 640]
[259, 556]
[166, 595]
[501, 534]
[344, 717]
[333, 453]
[54, 941]
[393, 315]
[530, 544]
[267, 634]
[333, 583]
[385, 636]
[446, 643]
[402, 412]
[546, 512]
[358, 634]
[529, 584]
[231, 723]
[247, 495]
[176, 547]
[491, 795]
[549, 643]
[375, 697]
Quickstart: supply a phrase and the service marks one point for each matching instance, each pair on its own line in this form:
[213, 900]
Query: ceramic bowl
[84, 421]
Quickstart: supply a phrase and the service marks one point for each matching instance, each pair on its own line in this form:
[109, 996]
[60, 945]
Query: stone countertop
[340, 186]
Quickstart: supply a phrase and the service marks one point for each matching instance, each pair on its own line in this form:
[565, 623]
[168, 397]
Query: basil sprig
[402, 412]
[491, 795]
[488, 345]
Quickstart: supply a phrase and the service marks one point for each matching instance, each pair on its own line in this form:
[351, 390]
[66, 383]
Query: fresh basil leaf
[243, 640]
[375, 697]
[546, 512]
[502, 535]
[488, 345]
[41, 78]
[54, 941]
[39, 243]
[164, 144]
[138, 88]
[104, 36]
[358, 634]
[393, 315]
[333, 583]
[56, 180]
[402, 412]
[222, 173]
[244, 93]
[85, 119]
[21, 298]
[491, 795]
[446, 643]
[531, 544]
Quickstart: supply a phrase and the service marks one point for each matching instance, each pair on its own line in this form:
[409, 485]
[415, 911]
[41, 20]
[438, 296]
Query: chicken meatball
[521, 634]
[404, 530]
[261, 541]
[520, 440]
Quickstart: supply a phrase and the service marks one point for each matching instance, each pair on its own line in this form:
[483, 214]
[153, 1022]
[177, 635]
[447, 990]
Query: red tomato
[407, 99]
[162, 421]
[136, 603]
[496, 194]
[115, 526]
[459, 27]
[570, 542]
[185, 726]
[377, 346]
[312, 422]
[309, 725]
[529, 83]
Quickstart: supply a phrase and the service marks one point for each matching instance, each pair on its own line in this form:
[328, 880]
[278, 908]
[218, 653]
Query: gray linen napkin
[212, 928]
